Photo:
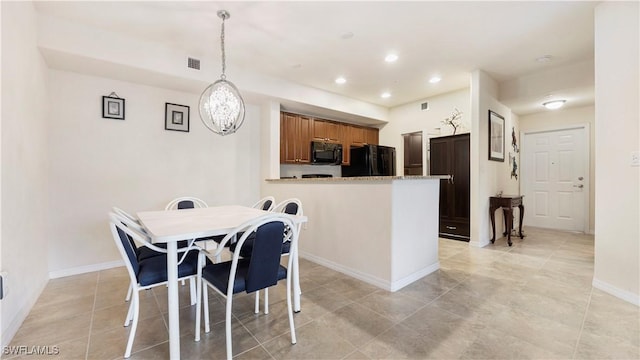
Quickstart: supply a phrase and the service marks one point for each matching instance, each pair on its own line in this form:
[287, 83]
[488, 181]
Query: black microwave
[323, 153]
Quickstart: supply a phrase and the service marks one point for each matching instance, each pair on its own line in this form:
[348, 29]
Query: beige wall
[487, 177]
[411, 118]
[617, 134]
[134, 164]
[562, 119]
[24, 240]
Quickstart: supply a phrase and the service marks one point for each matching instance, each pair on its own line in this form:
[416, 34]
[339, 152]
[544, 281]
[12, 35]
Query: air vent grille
[193, 63]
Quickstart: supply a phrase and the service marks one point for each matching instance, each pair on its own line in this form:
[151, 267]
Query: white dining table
[171, 226]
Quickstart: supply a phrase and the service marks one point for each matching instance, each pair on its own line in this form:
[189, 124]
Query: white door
[555, 180]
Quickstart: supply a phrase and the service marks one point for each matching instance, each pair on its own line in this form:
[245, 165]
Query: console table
[507, 203]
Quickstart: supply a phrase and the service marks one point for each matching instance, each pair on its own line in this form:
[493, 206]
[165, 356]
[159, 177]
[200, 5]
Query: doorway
[555, 179]
[413, 153]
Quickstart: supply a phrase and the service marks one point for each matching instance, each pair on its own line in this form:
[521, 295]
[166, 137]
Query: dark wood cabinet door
[450, 155]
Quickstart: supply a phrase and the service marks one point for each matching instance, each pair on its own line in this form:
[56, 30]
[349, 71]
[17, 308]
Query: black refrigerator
[371, 160]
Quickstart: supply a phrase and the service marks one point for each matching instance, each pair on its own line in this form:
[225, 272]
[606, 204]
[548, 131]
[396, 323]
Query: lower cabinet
[450, 155]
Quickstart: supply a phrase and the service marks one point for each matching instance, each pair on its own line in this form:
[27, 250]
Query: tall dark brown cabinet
[449, 155]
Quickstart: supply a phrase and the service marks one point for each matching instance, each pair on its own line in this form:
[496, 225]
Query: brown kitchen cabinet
[295, 139]
[450, 155]
[328, 131]
[371, 136]
[298, 131]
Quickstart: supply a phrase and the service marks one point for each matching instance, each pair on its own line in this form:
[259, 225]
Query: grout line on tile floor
[93, 314]
[584, 320]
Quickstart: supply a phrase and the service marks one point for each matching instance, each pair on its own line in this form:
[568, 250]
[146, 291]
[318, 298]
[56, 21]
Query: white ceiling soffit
[311, 43]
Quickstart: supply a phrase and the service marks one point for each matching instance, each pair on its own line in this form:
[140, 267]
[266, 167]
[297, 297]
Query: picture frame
[496, 137]
[176, 117]
[113, 107]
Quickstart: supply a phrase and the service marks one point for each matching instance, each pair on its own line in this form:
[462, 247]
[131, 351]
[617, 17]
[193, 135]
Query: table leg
[521, 207]
[492, 216]
[509, 221]
[173, 300]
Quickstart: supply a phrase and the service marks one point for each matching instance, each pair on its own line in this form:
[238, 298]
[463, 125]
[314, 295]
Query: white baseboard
[20, 316]
[617, 292]
[399, 284]
[373, 280]
[85, 269]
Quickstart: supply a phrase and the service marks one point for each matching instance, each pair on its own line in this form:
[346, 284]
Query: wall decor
[113, 107]
[176, 117]
[496, 137]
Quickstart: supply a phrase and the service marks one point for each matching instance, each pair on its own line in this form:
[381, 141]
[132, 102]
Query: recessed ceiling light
[555, 104]
[341, 80]
[385, 95]
[435, 79]
[391, 58]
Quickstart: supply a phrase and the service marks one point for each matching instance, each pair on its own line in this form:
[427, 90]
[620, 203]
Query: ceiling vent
[424, 106]
[193, 63]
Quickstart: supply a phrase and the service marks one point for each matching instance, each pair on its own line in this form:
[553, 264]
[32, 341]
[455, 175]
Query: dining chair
[142, 252]
[148, 273]
[290, 206]
[259, 271]
[181, 203]
[267, 203]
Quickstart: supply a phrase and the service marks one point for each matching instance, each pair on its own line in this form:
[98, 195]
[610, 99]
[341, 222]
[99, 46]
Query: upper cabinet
[295, 139]
[328, 131]
[297, 132]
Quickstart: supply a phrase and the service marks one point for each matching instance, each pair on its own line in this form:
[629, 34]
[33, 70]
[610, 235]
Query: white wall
[24, 166]
[617, 129]
[134, 164]
[487, 177]
[411, 118]
[565, 118]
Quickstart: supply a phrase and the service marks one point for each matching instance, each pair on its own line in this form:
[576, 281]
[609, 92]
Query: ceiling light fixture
[385, 95]
[341, 80]
[555, 104]
[391, 58]
[221, 106]
[435, 79]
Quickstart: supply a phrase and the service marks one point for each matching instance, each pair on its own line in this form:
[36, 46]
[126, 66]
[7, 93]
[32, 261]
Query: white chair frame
[260, 203]
[197, 203]
[248, 227]
[279, 208]
[131, 228]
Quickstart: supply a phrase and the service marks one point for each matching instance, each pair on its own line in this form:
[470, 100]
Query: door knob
[579, 186]
[580, 178]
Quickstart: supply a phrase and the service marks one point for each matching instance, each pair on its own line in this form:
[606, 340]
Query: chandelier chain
[224, 55]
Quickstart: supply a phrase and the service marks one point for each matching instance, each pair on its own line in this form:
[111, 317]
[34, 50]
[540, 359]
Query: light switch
[635, 158]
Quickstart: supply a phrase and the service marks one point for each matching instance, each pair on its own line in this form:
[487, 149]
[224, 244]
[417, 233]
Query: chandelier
[221, 106]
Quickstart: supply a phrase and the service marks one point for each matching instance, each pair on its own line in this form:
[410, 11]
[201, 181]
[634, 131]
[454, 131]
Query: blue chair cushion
[145, 253]
[154, 270]
[218, 275]
[247, 248]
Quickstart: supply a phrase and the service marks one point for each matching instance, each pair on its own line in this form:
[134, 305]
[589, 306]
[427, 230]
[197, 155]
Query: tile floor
[530, 301]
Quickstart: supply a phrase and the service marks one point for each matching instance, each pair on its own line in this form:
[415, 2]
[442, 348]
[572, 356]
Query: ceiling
[312, 43]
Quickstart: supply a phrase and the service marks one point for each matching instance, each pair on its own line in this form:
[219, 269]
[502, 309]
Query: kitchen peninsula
[382, 230]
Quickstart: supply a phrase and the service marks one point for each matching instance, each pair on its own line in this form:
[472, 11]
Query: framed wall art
[113, 107]
[496, 137]
[176, 117]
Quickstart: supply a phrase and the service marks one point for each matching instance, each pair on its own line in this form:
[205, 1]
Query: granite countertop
[363, 178]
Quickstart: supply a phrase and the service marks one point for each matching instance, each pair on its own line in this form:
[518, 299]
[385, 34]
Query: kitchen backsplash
[299, 170]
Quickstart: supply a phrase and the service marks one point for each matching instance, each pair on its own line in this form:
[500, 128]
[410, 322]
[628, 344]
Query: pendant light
[221, 106]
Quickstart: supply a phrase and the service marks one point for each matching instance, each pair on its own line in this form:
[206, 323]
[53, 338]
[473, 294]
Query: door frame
[587, 151]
